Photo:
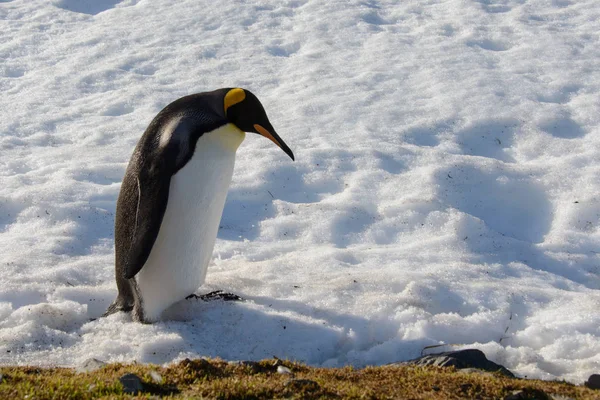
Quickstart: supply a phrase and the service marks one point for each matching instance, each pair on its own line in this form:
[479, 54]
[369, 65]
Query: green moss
[220, 380]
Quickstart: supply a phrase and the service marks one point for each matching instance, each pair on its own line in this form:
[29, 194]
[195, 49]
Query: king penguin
[173, 194]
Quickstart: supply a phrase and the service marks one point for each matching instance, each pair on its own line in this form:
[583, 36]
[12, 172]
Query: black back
[145, 189]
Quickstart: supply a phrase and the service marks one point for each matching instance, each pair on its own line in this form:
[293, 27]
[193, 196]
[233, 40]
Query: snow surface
[446, 188]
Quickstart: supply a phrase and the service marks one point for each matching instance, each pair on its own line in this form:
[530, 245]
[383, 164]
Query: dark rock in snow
[593, 382]
[197, 363]
[469, 358]
[132, 384]
[89, 365]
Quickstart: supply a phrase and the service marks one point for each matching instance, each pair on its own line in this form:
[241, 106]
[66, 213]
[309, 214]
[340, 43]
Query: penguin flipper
[140, 210]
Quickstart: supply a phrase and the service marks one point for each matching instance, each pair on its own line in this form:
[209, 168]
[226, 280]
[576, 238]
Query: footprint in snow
[489, 44]
[91, 7]
[562, 127]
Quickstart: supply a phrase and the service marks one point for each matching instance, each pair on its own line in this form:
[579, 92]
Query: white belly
[179, 258]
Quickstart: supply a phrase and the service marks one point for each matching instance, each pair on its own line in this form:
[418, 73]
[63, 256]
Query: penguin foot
[117, 306]
[216, 295]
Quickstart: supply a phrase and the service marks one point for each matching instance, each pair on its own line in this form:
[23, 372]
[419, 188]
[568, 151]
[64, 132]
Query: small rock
[132, 384]
[515, 395]
[593, 382]
[302, 384]
[156, 377]
[466, 386]
[283, 370]
[468, 358]
[528, 394]
[89, 365]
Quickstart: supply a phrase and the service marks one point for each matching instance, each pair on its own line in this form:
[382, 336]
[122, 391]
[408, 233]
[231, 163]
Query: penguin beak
[274, 137]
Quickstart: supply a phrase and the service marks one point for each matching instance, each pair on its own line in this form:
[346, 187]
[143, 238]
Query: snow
[445, 190]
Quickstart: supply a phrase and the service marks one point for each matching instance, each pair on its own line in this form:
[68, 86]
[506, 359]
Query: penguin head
[243, 109]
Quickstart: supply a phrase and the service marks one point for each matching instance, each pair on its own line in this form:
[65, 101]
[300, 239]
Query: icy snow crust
[446, 188]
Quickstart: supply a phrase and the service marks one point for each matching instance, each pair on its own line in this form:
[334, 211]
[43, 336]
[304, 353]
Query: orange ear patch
[233, 97]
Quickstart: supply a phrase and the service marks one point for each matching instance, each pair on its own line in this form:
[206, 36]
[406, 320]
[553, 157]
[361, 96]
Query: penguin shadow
[361, 327]
[269, 327]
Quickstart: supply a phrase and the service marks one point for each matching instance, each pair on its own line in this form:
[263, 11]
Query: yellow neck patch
[233, 97]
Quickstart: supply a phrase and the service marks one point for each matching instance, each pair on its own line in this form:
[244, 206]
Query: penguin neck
[227, 137]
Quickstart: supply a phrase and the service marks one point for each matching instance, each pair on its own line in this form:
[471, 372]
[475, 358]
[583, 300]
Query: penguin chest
[183, 248]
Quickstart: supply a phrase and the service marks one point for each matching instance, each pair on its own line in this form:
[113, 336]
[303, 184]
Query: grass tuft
[259, 380]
